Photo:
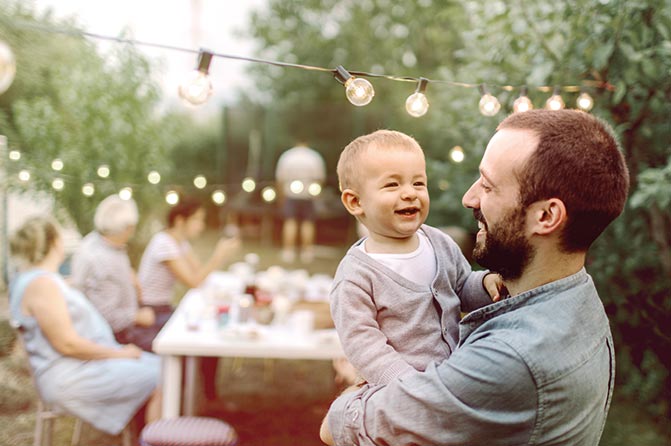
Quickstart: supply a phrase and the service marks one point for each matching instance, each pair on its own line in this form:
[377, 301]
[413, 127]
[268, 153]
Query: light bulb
[522, 103]
[359, 91]
[489, 105]
[172, 198]
[268, 194]
[555, 102]
[88, 189]
[200, 181]
[417, 104]
[103, 171]
[126, 193]
[57, 164]
[248, 184]
[585, 102]
[14, 155]
[314, 189]
[457, 154]
[7, 67]
[196, 88]
[154, 177]
[296, 186]
[58, 184]
[219, 197]
[24, 175]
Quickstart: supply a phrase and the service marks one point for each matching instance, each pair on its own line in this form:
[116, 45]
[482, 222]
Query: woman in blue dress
[78, 365]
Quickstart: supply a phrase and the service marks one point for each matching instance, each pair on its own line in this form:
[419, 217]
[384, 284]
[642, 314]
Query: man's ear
[548, 216]
[350, 199]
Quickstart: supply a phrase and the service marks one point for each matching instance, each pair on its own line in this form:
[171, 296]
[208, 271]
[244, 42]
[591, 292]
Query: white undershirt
[418, 266]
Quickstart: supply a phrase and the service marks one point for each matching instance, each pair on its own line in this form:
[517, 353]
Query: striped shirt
[104, 274]
[155, 277]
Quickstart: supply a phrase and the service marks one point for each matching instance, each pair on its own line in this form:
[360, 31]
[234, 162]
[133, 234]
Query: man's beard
[504, 250]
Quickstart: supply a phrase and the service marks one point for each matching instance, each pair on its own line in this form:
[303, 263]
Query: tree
[618, 50]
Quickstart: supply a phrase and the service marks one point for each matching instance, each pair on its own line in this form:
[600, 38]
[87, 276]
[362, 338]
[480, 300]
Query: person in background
[537, 367]
[297, 170]
[102, 271]
[398, 293]
[169, 258]
[78, 365]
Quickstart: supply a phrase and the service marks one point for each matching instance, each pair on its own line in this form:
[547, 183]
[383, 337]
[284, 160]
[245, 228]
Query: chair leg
[48, 431]
[77, 432]
[39, 425]
[126, 436]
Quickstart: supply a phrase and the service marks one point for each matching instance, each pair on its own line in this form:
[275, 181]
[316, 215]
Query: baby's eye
[391, 184]
[420, 184]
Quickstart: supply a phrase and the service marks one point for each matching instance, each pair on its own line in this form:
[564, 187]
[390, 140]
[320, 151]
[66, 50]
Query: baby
[398, 293]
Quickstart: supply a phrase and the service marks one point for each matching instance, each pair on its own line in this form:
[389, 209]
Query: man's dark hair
[578, 160]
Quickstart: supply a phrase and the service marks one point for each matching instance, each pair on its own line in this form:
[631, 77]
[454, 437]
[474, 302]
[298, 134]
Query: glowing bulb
[522, 104]
[7, 67]
[58, 184]
[358, 90]
[585, 102]
[200, 181]
[196, 88]
[248, 184]
[314, 189]
[88, 189]
[457, 154]
[489, 105]
[417, 104]
[103, 171]
[219, 197]
[268, 194]
[555, 102]
[14, 155]
[24, 176]
[296, 186]
[126, 193]
[172, 198]
[154, 177]
[57, 164]
[443, 185]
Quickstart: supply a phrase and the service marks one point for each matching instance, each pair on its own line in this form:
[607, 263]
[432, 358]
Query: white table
[175, 341]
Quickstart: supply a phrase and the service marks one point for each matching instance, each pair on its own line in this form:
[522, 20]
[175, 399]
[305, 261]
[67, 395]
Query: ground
[269, 402]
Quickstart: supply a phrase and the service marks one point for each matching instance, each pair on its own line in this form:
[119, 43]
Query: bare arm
[189, 271]
[44, 301]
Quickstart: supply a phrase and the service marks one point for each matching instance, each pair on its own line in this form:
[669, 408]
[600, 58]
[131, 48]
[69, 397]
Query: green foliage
[622, 47]
[87, 109]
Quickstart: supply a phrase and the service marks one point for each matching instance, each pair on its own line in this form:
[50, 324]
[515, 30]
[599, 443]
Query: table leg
[190, 385]
[172, 386]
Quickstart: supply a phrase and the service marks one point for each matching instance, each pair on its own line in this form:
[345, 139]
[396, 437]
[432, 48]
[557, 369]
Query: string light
[7, 67]
[489, 105]
[457, 154]
[14, 155]
[248, 184]
[296, 187]
[196, 88]
[522, 103]
[584, 101]
[154, 177]
[126, 193]
[268, 194]
[103, 171]
[417, 104]
[57, 165]
[200, 182]
[357, 89]
[172, 198]
[555, 102]
[314, 189]
[219, 197]
[88, 189]
[24, 175]
[58, 184]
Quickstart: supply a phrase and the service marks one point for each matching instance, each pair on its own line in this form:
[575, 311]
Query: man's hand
[145, 317]
[493, 283]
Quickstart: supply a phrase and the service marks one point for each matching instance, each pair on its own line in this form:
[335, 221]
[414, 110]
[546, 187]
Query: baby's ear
[350, 199]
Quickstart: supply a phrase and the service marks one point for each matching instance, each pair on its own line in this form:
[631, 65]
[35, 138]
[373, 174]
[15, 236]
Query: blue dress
[105, 393]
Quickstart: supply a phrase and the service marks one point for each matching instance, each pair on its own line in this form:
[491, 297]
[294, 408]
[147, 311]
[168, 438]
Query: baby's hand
[493, 283]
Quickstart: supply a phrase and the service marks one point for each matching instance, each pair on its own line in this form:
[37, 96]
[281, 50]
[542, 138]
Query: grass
[269, 402]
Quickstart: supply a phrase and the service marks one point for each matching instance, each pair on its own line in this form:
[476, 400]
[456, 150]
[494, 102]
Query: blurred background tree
[624, 45]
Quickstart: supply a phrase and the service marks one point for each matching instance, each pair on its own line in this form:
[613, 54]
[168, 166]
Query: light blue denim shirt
[535, 369]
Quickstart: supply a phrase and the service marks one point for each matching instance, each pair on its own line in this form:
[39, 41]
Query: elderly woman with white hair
[78, 365]
[102, 270]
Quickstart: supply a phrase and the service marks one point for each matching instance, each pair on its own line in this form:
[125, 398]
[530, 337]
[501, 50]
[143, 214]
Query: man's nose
[470, 198]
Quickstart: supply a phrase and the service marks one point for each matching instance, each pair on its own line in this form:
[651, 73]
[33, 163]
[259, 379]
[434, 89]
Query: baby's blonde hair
[33, 240]
[349, 162]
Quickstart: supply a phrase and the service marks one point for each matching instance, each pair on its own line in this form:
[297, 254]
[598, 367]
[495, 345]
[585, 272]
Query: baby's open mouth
[408, 211]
